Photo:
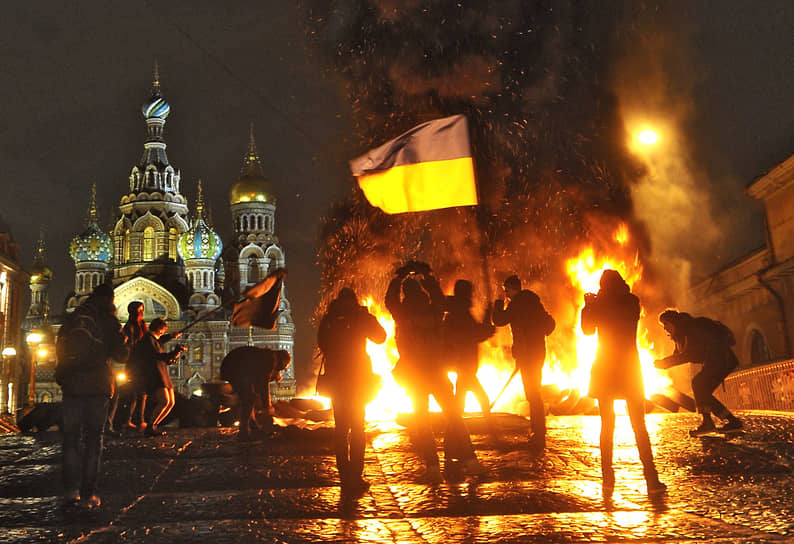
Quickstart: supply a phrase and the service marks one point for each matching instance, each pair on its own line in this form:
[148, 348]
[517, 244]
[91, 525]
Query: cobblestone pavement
[202, 484]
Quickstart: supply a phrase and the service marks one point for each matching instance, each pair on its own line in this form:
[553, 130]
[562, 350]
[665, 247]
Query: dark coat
[703, 341]
[134, 333]
[462, 337]
[249, 368]
[616, 372]
[87, 341]
[342, 338]
[417, 330]
[153, 362]
[530, 324]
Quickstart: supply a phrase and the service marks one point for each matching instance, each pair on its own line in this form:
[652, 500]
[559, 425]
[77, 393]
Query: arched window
[198, 353]
[148, 244]
[245, 223]
[759, 351]
[126, 246]
[172, 254]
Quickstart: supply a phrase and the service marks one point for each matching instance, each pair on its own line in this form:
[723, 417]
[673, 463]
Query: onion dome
[156, 106]
[252, 186]
[200, 241]
[93, 244]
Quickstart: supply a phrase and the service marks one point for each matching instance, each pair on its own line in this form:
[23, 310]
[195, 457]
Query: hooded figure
[616, 373]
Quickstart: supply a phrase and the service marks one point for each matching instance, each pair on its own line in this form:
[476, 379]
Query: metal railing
[768, 387]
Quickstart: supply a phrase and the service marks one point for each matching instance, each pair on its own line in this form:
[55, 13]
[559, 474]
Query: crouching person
[250, 370]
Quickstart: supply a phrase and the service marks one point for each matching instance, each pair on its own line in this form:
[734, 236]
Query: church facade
[167, 256]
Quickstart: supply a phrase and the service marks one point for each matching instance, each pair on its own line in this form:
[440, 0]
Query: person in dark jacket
[88, 339]
[616, 374]
[250, 370]
[462, 336]
[707, 342]
[530, 324]
[154, 362]
[134, 330]
[342, 339]
[416, 302]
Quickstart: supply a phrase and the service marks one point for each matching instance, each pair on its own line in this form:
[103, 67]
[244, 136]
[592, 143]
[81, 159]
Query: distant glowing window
[148, 244]
[172, 244]
[198, 353]
[126, 245]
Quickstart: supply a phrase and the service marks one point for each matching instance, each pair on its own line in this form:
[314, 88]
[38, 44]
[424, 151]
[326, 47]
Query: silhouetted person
[616, 372]
[134, 330]
[707, 342]
[418, 314]
[462, 337]
[250, 370]
[530, 324]
[342, 338]
[88, 339]
[154, 362]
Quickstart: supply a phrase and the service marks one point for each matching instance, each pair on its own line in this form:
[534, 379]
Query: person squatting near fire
[530, 324]
[88, 339]
[707, 342]
[134, 330]
[342, 339]
[462, 337]
[149, 356]
[250, 370]
[416, 303]
[616, 373]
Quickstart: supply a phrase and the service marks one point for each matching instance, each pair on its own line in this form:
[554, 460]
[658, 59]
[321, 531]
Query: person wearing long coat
[134, 330]
[342, 339]
[616, 373]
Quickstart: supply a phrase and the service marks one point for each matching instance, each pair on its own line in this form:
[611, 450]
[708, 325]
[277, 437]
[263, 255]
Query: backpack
[78, 339]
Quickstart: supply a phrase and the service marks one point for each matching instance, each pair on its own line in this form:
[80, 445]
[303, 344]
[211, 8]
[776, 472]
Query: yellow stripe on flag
[422, 186]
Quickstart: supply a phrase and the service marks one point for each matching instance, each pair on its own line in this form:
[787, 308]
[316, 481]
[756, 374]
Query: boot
[655, 487]
[706, 427]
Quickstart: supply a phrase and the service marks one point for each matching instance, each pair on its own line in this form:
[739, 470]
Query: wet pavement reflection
[203, 484]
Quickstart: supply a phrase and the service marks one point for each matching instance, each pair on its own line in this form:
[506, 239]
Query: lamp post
[33, 339]
[5, 378]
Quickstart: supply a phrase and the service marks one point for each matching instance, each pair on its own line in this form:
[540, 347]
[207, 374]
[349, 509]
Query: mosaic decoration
[92, 245]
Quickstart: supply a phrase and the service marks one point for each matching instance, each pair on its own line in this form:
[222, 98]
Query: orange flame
[567, 368]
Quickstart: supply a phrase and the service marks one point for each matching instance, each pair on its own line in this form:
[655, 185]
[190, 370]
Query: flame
[566, 372]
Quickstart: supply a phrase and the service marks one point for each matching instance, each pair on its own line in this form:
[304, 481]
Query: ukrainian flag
[427, 168]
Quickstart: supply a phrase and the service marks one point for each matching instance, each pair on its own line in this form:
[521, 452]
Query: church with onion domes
[167, 256]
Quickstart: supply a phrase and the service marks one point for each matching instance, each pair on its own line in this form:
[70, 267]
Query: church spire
[93, 212]
[156, 80]
[200, 203]
[40, 250]
[252, 162]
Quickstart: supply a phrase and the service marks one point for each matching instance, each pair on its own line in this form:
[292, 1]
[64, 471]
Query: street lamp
[648, 137]
[34, 339]
[5, 379]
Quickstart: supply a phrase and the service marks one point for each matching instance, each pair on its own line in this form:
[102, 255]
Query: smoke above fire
[551, 146]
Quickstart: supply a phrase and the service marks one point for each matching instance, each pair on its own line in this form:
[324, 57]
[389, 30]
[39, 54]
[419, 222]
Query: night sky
[74, 76]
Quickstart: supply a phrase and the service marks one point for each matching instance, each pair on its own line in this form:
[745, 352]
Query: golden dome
[252, 186]
[252, 190]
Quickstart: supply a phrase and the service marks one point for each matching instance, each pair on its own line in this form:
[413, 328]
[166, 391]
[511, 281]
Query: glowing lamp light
[9, 352]
[648, 137]
[33, 338]
[198, 392]
[42, 352]
[121, 377]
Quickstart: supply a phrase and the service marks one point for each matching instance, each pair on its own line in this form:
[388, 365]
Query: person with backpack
[530, 324]
[342, 339]
[88, 339]
[707, 342]
[462, 336]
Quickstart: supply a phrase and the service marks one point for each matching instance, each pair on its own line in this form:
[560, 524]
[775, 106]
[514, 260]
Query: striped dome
[200, 242]
[92, 245]
[156, 107]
